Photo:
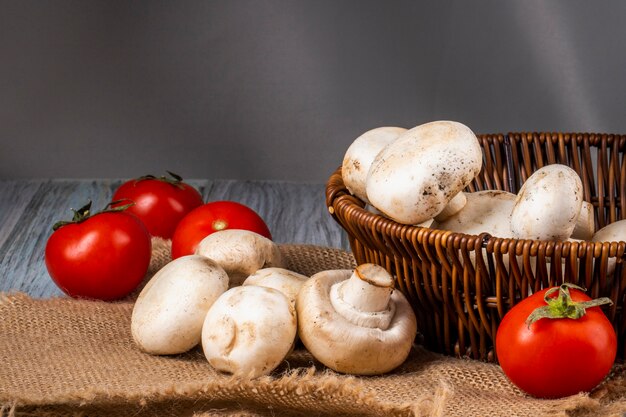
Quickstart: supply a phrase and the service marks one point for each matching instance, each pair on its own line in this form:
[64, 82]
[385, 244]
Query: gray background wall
[279, 89]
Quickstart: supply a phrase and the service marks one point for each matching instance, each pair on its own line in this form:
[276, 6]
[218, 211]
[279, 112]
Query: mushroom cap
[548, 204]
[486, 211]
[344, 346]
[360, 155]
[412, 179]
[249, 331]
[613, 232]
[169, 313]
[240, 252]
[281, 279]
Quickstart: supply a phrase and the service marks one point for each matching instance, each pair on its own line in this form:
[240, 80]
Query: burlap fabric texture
[69, 357]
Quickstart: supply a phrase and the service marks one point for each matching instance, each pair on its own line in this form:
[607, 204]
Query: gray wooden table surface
[294, 212]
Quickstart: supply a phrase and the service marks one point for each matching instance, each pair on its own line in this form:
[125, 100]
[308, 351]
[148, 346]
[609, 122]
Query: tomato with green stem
[556, 343]
[101, 256]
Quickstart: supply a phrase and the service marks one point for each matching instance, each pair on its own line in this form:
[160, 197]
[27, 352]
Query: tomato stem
[109, 208]
[175, 180]
[563, 306]
[84, 213]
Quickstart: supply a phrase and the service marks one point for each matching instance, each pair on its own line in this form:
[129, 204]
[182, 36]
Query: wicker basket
[458, 303]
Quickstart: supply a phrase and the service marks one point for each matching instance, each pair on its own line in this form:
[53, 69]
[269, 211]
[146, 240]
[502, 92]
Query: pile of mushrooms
[549, 206]
[416, 177]
[249, 329]
[413, 175]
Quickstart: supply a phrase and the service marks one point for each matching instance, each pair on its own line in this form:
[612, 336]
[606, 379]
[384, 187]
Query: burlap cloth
[67, 357]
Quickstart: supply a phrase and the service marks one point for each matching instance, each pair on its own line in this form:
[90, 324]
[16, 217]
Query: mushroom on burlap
[168, 315]
[415, 177]
[249, 330]
[240, 252]
[354, 322]
[281, 279]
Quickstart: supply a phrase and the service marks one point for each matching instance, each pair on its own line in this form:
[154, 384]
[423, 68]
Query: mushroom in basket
[360, 155]
[415, 177]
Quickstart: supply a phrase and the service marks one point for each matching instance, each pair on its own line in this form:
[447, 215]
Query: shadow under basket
[459, 303]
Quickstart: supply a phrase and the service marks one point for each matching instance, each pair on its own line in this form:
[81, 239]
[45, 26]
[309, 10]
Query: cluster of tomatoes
[105, 255]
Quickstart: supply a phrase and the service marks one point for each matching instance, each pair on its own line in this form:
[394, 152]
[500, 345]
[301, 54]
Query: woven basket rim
[338, 198]
[591, 137]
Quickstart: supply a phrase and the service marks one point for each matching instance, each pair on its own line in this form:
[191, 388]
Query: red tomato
[104, 256]
[555, 358]
[160, 203]
[212, 217]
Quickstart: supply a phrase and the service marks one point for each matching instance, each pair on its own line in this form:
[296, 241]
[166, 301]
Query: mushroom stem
[368, 289]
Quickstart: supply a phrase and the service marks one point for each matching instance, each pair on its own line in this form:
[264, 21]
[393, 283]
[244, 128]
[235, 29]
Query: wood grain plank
[15, 197]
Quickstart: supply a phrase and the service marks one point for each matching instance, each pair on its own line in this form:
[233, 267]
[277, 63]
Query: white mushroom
[585, 224]
[361, 153]
[486, 211]
[240, 252]
[548, 204]
[614, 232]
[413, 179]
[249, 331]
[354, 322]
[169, 313]
[283, 280]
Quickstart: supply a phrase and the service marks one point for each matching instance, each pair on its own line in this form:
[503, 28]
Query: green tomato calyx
[84, 212]
[173, 179]
[562, 306]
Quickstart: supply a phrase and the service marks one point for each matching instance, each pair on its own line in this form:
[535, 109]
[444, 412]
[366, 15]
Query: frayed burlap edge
[330, 393]
[202, 405]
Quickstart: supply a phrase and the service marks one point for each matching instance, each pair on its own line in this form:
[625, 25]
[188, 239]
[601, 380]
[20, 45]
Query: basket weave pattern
[459, 285]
